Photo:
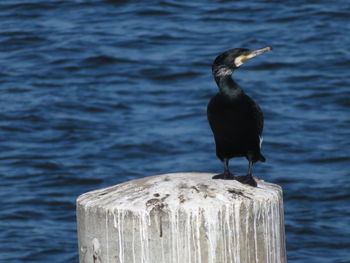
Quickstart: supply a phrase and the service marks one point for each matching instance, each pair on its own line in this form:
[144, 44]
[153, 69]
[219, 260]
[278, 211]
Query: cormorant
[235, 119]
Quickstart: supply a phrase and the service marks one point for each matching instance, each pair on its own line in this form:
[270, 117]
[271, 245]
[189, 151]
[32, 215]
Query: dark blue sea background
[95, 93]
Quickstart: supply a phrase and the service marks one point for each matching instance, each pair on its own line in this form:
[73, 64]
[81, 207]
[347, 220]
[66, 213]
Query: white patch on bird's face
[240, 60]
[260, 140]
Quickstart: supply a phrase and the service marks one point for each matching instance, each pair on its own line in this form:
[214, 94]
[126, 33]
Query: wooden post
[182, 218]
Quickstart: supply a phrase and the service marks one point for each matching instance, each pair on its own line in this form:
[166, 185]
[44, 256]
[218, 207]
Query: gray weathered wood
[180, 218]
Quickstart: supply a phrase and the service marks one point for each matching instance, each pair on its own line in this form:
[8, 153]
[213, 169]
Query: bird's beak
[253, 53]
[257, 52]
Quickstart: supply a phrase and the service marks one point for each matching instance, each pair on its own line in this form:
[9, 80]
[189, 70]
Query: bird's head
[228, 61]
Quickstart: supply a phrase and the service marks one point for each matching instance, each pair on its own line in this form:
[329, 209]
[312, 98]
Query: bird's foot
[225, 176]
[247, 179]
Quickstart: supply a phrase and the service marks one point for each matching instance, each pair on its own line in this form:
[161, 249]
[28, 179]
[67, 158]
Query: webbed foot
[225, 176]
[247, 179]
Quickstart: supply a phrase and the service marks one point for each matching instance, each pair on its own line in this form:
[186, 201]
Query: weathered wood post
[182, 218]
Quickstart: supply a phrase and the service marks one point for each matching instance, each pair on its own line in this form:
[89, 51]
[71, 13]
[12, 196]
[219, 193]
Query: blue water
[94, 93]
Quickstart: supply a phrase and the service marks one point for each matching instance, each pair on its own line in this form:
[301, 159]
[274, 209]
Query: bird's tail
[262, 158]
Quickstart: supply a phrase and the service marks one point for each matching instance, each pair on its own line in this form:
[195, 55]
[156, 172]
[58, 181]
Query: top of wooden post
[188, 190]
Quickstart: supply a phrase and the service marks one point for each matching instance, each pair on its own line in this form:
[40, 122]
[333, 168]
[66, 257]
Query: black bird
[235, 119]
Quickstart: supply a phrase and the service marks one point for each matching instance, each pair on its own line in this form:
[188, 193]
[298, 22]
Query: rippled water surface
[94, 93]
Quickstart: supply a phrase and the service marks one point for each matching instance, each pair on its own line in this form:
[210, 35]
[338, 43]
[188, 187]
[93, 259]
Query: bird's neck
[227, 86]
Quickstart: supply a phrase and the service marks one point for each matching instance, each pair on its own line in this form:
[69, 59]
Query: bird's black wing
[257, 118]
[257, 115]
